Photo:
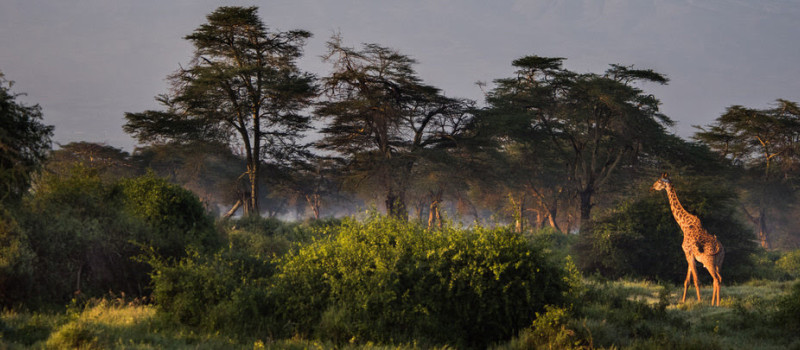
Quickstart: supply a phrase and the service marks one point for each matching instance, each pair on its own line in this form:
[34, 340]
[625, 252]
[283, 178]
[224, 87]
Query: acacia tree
[24, 142]
[383, 119]
[765, 142]
[591, 124]
[242, 88]
[109, 162]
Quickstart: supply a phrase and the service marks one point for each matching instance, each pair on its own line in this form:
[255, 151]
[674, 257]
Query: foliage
[228, 289]
[225, 291]
[16, 260]
[549, 330]
[24, 142]
[82, 233]
[79, 233]
[641, 239]
[380, 280]
[109, 162]
[789, 263]
[787, 314]
[386, 280]
[175, 218]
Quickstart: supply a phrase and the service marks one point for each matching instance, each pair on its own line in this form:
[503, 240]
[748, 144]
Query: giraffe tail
[717, 246]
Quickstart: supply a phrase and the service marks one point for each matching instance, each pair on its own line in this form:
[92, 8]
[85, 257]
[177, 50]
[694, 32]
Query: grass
[610, 315]
[102, 324]
[643, 315]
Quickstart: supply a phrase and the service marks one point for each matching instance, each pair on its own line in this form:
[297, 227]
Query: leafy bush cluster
[76, 235]
[378, 280]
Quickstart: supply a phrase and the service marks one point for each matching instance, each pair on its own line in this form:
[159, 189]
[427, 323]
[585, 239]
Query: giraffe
[698, 244]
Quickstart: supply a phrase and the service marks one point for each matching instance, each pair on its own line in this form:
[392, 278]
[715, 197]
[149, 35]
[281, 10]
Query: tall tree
[592, 124]
[766, 144]
[243, 88]
[382, 118]
[24, 142]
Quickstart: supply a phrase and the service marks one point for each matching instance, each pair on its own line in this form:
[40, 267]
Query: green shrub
[788, 310]
[80, 236]
[83, 232]
[388, 280]
[229, 289]
[765, 266]
[266, 237]
[16, 261]
[221, 291]
[175, 216]
[789, 264]
[549, 331]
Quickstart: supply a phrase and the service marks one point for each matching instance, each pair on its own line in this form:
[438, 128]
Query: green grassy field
[609, 315]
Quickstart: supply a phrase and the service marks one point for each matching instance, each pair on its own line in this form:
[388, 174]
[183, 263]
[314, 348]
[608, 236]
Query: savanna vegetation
[412, 219]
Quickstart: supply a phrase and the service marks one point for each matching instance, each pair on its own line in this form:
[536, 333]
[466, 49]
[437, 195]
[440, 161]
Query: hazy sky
[86, 62]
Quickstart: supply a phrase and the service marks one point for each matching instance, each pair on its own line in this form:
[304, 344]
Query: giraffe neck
[682, 217]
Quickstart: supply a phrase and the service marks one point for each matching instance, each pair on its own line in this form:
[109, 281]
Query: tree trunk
[233, 209]
[433, 215]
[760, 223]
[253, 176]
[396, 205]
[586, 209]
[540, 219]
[78, 280]
[518, 211]
[419, 209]
[551, 217]
[315, 203]
[762, 229]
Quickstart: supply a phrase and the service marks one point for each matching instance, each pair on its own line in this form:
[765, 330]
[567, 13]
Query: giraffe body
[698, 244]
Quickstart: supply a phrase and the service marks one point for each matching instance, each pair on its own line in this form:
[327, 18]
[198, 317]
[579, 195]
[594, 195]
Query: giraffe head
[661, 183]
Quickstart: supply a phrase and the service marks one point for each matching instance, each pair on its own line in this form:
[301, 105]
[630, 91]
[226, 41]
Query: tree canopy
[241, 88]
[764, 144]
[383, 119]
[592, 123]
[24, 142]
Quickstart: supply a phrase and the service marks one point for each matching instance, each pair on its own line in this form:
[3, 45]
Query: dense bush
[787, 315]
[82, 233]
[223, 291]
[789, 264]
[16, 260]
[379, 280]
[175, 217]
[229, 289]
[79, 235]
[641, 239]
[386, 280]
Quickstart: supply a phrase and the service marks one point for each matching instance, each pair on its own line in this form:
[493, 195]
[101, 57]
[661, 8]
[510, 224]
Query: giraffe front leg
[686, 283]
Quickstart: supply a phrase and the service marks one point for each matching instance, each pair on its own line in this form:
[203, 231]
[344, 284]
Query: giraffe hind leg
[696, 283]
[717, 284]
